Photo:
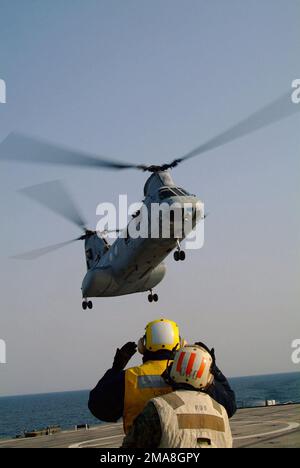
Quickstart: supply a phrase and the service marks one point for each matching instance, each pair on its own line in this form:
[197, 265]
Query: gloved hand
[124, 355]
[214, 370]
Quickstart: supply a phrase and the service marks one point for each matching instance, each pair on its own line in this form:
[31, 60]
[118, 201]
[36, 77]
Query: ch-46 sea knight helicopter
[128, 266]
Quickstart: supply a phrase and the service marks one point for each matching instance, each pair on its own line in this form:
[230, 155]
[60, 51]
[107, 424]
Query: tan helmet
[192, 366]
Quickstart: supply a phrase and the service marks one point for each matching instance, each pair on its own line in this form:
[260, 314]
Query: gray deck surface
[272, 427]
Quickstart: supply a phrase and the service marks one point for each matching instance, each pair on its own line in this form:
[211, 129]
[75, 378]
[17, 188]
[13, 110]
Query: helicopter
[128, 265]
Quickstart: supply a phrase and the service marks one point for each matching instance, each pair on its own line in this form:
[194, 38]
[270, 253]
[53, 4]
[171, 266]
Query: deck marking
[290, 427]
[88, 442]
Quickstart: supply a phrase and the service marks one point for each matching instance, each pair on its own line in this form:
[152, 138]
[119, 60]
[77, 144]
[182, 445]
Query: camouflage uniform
[146, 431]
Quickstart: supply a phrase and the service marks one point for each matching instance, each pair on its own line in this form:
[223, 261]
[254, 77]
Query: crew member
[125, 393]
[188, 417]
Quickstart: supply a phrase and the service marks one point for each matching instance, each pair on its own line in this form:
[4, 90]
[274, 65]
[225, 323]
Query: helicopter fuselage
[132, 265]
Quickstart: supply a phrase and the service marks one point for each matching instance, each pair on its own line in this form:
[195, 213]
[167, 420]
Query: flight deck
[265, 427]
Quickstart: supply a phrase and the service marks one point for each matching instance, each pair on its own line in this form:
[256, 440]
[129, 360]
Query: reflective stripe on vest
[141, 385]
[194, 421]
[151, 381]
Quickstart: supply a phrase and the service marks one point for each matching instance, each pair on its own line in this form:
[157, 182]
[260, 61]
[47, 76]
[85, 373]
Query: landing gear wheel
[152, 297]
[84, 305]
[90, 305]
[177, 256]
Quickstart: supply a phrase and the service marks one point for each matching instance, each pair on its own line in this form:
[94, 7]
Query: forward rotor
[24, 148]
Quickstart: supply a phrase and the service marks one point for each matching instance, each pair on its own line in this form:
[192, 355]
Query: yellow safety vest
[141, 385]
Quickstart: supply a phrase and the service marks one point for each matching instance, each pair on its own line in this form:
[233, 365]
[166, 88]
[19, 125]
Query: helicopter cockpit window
[181, 192]
[185, 193]
[166, 193]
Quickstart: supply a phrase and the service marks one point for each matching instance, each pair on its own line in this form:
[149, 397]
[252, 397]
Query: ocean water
[29, 412]
[67, 409]
[254, 391]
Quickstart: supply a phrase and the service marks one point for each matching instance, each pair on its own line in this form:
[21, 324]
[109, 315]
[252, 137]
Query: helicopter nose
[184, 216]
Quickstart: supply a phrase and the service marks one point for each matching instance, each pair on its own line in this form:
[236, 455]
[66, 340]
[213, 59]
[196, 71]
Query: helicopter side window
[127, 238]
[106, 246]
[89, 258]
[89, 254]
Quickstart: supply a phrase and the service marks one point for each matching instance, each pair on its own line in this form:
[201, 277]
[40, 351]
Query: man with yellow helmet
[125, 393]
[144, 382]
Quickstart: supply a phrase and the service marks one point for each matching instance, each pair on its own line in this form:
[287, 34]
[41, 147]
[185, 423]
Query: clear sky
[147, 81]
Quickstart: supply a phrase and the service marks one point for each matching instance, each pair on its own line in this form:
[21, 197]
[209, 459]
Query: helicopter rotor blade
[23, 148]
[19, 147]
[279, 109]
[33, 254]
[56, 198]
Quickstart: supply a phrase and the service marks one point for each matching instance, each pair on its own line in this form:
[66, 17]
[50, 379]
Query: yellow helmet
[160, 335]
